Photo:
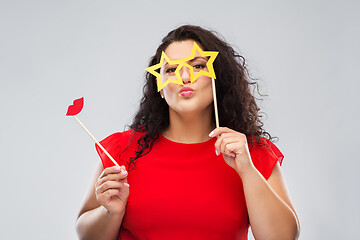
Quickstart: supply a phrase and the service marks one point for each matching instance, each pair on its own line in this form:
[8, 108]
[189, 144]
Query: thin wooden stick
[102, 148]
[215, 103]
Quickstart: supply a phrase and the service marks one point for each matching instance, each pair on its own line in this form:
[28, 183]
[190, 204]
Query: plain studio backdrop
[305, 55]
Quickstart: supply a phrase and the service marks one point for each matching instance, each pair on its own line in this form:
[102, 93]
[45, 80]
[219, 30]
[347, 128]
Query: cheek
[170, 90]
[206, 87]
[208, 93]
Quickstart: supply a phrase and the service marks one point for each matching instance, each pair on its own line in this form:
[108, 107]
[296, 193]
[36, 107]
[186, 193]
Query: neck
[189, 128]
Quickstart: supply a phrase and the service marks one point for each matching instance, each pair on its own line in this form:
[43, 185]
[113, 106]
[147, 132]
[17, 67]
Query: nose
[185, 74]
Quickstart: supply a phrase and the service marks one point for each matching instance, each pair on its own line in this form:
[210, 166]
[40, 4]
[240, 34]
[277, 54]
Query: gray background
[305, 54]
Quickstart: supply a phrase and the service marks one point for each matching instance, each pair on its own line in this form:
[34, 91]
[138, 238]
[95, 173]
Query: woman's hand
[112, 189]
[234, 147]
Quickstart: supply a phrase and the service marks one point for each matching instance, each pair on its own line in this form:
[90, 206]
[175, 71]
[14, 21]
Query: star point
[212, 55]
[158, 76]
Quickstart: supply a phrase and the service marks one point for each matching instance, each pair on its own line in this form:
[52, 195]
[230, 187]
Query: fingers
[220, 130]
[231, 148]
[112, 177]
[222, 145]
[220, 140]
[229, 142]
[110, 183]
[112, 170]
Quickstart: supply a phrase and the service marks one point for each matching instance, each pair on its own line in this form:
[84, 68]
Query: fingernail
[123, 173]
[216, 152]
[117, 168]
[211, 134]
[126, 185]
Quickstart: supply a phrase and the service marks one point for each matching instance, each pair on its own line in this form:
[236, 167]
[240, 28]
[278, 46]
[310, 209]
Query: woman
[188, 179]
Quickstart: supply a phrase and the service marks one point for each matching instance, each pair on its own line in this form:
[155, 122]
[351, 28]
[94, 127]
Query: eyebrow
[194, 59]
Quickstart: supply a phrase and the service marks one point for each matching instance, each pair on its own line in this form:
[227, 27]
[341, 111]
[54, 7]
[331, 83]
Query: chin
[191, 108]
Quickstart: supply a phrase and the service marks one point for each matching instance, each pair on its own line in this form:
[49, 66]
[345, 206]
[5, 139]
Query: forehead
[180, 50]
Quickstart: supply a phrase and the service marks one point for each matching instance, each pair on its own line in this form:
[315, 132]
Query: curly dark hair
[237, 105]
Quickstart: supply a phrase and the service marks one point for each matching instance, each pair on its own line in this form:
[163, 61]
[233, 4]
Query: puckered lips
[186, 91]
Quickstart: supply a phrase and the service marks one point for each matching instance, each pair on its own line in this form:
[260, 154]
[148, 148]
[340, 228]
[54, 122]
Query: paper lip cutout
[182, 62]
[76, 107]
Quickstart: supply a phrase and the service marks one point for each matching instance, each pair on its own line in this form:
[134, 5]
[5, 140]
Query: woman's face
[181, 100]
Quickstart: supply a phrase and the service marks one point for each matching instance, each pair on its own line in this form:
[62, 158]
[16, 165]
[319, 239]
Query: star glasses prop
[183, 62]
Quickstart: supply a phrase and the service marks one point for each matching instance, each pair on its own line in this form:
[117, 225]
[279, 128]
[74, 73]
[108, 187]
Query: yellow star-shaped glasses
[209, 65]
[183, 62]
[158, 76]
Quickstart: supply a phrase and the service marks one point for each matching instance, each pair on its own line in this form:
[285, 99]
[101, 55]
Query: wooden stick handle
[215, 103]
[102, 148]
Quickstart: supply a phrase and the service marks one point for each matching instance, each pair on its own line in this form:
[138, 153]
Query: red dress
[184, 191]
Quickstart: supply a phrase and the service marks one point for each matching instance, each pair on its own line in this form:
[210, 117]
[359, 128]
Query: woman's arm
[271, 213]
[104, 207]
